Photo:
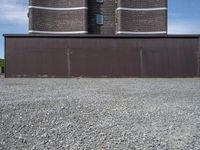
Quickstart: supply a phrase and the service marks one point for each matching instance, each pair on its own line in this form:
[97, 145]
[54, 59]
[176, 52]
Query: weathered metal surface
[85, 56]
[168, 57]
[99, 57]
[37, 57]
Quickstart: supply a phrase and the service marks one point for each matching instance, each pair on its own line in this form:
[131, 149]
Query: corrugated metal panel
[39, 56]
[170, 57]
[36, 57]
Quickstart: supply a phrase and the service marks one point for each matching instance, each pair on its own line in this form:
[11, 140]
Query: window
[99, 1]
[99, 19]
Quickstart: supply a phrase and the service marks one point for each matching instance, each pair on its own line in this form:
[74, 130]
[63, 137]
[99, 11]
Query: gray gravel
[100, 114]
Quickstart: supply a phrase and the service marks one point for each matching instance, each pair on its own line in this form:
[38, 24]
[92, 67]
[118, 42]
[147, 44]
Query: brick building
[100, 38]
[98, 16]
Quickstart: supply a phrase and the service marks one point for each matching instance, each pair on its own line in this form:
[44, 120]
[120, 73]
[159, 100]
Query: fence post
[141, 63]
[68, 63]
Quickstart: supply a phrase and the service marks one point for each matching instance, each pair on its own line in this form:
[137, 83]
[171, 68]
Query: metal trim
[102, 36]
[128, 32]
[52, 8]
[198, 58]
[141, 63]
[141, 9]
[57, 32]
[68, 63]
[5, 57]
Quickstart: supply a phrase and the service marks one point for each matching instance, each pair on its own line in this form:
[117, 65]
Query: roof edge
[101, 36]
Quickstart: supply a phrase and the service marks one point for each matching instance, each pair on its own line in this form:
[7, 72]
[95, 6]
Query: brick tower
[98, 16]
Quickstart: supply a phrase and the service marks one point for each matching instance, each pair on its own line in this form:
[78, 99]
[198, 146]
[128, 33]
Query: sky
[183, 18]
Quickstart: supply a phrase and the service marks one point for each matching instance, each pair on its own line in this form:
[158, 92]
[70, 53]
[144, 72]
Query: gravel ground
[100, 114]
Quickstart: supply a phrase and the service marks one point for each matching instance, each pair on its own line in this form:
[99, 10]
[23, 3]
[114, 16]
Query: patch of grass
[2, 63]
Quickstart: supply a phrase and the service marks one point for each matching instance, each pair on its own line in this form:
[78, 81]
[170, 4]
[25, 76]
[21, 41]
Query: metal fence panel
[102, 56]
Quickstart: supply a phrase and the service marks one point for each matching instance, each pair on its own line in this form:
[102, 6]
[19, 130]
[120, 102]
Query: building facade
[98, 16]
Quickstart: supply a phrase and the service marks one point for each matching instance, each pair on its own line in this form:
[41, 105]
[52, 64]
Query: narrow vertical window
[99, 1]
[99, 19]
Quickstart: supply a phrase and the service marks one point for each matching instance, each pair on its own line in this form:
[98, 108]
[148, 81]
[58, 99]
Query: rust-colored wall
[66, 56]
[37, 57]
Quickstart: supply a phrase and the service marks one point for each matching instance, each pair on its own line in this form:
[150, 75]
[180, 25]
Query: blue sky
[183, 18]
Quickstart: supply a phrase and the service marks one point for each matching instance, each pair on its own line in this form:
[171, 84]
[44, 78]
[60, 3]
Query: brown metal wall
[170, 57]
[26, 57]
[101, 57]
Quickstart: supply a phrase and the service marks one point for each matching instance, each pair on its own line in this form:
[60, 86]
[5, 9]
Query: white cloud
[14, 11]
[183, 27]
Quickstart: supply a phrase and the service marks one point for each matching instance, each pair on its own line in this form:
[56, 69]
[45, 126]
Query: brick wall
[58, 20]
[85, 20]
[142, 3]
[142, 21]
[107, 9]
[58, 3]
[61, 21]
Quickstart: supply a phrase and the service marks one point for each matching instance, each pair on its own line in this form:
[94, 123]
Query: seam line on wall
[141, 9]
[51, 8]
[127, 32]
[55, 32]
